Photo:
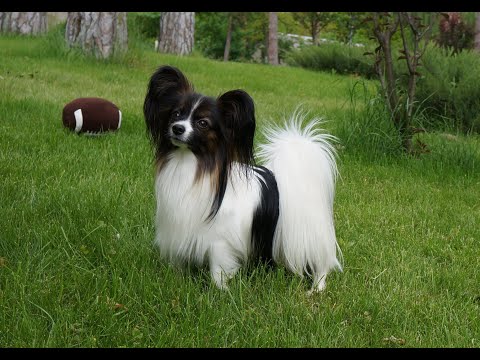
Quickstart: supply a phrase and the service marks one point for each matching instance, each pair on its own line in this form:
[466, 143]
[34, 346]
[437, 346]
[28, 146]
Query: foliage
[248, 33]
[145, 24]
[449, 89]
[333, 57]
[313, 22]
[348, 26]
[210, 35]
[400, 100]
[447, 92]
[288, 25]
[454, 32]
[285, 47]
[54, 41]
[365, 127]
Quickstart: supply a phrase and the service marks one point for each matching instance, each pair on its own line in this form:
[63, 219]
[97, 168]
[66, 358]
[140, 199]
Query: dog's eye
[203, 124]
[176, 114]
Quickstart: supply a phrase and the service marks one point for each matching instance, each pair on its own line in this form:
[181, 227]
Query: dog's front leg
[223, 263]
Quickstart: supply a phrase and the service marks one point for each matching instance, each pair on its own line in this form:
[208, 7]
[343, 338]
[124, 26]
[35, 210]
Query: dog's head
[178, 117]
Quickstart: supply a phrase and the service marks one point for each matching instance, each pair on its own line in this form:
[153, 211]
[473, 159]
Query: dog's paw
[318, 286]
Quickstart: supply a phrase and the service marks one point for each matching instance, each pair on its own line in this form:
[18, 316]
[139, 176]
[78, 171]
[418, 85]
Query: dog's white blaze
[119, 119]
[78, 120]
[194, 107]
[182, 233]
[303, 162]
[186, 123]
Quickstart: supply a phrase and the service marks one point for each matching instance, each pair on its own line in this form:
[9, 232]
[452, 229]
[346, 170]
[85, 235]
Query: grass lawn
[77, 263]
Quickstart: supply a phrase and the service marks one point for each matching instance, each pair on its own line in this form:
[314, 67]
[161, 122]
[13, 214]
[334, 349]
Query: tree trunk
[25, 23]
[102, 34]
[273, 38]
[388, 81]
[176, 32]
[226, 53]
[390, 75]
[351, 27]
[477, 32]
[399, 116]
[314, 31]
[314, 37]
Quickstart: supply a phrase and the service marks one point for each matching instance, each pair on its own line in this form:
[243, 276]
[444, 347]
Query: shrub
[211, 32]
[53, 41]
[145, 24]
[210, 35]
[365, 127]
[449, 89]
[342, 59]
[455, 33]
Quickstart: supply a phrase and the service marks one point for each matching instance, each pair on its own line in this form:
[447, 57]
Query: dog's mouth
[178, 142]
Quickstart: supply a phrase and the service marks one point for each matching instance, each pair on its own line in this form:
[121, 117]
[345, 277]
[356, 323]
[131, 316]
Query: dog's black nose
[178, 129]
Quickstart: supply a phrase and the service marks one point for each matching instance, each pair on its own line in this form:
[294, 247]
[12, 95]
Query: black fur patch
[167, 86]
[238, 112]
[266, 216]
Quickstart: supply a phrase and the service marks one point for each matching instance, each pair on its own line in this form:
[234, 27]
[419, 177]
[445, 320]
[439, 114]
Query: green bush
[449, 89]
[145, 24]
[447, 93]
[365, 128]
[210, 35]
[248, 34]
[53, 41]
[342, 59]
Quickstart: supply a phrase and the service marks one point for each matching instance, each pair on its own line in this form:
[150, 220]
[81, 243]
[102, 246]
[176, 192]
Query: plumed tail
[303, 162]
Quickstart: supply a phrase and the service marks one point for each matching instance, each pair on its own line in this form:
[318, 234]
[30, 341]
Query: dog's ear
[166, 85]
[168, 80]
[238, 113]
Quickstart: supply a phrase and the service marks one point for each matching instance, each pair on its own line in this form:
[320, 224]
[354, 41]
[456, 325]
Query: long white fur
[182, 233]
[303, 162]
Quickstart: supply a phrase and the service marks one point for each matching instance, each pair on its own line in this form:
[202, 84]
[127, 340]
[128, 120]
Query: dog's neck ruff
[183, 204]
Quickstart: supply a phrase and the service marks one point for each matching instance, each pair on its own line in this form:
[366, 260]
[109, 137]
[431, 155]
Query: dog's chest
[177, 192]
[183, 205]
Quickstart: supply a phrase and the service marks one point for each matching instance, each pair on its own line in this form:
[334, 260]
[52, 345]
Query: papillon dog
[215, 207]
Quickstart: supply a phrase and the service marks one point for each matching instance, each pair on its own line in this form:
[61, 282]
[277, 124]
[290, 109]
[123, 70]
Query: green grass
[77, 263]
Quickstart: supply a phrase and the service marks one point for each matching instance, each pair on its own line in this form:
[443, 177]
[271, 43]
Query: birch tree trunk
[102, 34]
[176, 32]
[477, 32]
[25, 23]
[273, 38]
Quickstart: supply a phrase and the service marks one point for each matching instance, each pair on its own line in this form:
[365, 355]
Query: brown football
[91, 116]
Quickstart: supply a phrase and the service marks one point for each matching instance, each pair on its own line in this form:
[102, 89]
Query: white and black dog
[216, 207]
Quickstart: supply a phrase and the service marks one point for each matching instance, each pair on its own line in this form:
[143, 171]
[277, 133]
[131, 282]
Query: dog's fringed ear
[238, 113]
[164, 88]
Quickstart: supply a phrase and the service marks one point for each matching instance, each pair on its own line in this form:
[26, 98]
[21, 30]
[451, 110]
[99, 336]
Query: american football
[91, 116]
